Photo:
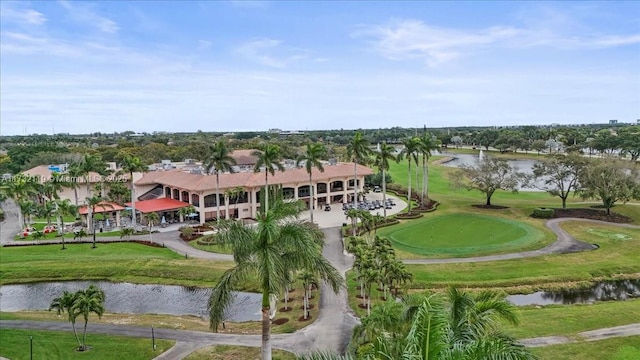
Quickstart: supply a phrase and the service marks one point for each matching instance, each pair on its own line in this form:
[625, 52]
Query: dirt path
[564, 244]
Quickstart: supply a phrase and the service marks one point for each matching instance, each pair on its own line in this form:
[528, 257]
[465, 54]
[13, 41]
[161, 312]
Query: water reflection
[524, 166]
[602, 291]
[132, 299]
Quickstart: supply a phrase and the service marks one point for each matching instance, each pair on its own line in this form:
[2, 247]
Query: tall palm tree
[133, 164]
[62, 209]
[311, 157]
[382, 158]
[277, 244]
[63, 304]
[86, 302]
[218, 159]
[428, 144]
[269, 159]
[22, 190]
[91, 164]
[75, 173]
[410, 151]
[308, 279]
[151, 218]
[93, 203]
[357, 151]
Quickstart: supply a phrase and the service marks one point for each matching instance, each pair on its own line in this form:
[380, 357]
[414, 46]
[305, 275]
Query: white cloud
[82, 13]
[270, 52]
[204, 44]
[413, 39]
[28, 16]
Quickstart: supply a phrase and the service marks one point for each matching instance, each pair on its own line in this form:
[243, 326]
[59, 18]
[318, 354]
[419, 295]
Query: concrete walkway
[10, 226]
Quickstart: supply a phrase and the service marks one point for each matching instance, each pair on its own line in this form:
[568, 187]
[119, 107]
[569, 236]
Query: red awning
[104, 206]
[161, 204]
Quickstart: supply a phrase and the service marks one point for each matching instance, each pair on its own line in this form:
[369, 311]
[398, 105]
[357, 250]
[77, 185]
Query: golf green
[461, 235]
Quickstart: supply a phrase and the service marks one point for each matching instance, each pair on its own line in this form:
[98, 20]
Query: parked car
[377, 189]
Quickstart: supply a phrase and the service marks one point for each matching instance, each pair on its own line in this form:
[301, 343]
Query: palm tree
[382, 158]
[410, 151]
[133, 164]
[186, 211]
[311, 157]
[428, 143]
[65, 303]
[22, 189]
[357, 151]
[151, 218]
[86, 302]
[63, 208]
[93, 203]
[269, 159]
[75, 172]
[218, 159]
[277, 244]
[91, 164]
[353, 215]
[308, 279]
[27, 209]
[460, 326]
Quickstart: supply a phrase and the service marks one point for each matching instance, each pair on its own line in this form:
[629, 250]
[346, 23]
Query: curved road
[332, 330]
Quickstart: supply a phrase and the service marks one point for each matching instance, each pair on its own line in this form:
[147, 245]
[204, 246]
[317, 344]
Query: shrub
[187, 231]
[543, 213]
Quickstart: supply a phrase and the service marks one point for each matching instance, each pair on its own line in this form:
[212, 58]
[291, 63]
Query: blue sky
[109, 66]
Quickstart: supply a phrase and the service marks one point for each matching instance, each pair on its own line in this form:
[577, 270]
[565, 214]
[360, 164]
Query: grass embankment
[128, 262]
[215, 248]
[625, 348]
[14, 344]
[569, 320]
[224, 352]
[461, 235]
[617, 255]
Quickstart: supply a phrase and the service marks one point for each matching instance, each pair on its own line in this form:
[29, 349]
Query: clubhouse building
[240, 190]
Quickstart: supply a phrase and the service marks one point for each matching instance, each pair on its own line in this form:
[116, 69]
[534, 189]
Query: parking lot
[336, 217]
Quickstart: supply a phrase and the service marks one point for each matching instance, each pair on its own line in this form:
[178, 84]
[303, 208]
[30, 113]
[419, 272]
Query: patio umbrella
[163, 221]
[107, 223]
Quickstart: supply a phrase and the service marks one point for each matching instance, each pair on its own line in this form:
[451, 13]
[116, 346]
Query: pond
[601, 291]
[129, 298]
[524, 166]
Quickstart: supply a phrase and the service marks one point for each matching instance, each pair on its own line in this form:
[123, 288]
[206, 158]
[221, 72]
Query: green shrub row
[543, 213]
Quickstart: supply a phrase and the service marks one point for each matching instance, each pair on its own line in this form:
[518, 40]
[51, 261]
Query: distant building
[613, 122]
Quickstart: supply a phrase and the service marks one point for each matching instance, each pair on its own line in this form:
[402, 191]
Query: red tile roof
[160, 204]
[197, 182]
[103, 206]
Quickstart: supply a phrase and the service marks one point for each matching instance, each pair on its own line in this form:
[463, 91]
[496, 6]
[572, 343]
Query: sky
[112, 66]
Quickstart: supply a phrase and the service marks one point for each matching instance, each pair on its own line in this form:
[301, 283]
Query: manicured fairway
[52, 345]
[616, 256]
[223, 352]
[461, 235]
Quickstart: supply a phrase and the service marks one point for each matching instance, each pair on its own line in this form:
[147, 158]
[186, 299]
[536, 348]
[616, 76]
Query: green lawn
[224, 352]
[626, 348]
[129, 262]
[52, 345]
[211, 248]
[569, 320]
[462, 234]
[616, 256]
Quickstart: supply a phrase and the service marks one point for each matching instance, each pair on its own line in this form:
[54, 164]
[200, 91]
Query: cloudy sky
[80, 67]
